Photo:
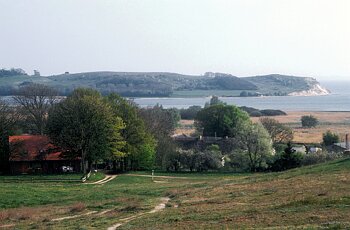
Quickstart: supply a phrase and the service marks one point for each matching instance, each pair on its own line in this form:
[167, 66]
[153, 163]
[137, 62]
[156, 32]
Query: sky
[240, 37]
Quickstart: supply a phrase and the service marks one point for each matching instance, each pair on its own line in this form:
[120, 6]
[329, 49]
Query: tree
[279, 133]
[214, 100]
[309, 121]
[161, 123]
[220, 120]
[243, 94]
[190, 113]
[35, 101]
[287, 160]
[12, 72]
[140, 144]
[195, 159]
[255, 143]
[8, 120]
[208, 159]
[330, 138]
[85, 125]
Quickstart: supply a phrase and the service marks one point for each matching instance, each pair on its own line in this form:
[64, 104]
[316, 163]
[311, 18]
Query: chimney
[347, 144]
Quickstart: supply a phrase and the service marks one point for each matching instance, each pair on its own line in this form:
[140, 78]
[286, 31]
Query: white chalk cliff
[315, 90]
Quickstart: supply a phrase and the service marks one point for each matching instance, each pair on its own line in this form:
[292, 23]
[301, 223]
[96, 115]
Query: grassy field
[310, 197]
[337, 122]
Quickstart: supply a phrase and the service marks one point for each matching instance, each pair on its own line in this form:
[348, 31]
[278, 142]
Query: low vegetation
[310, 197]
[309, 121]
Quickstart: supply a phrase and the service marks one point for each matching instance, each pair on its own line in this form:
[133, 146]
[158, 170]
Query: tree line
[88, 125]
[111, 129]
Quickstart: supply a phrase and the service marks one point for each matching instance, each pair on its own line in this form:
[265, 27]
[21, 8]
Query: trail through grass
[310, 197]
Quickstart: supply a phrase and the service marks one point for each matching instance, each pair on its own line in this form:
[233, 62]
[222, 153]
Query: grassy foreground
[307, 198]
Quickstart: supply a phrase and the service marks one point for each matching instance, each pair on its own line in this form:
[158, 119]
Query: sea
[338, 100]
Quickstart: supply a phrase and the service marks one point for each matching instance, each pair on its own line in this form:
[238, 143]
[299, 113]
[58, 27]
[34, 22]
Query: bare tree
[8, 119]
[35, 101]
[279, 133]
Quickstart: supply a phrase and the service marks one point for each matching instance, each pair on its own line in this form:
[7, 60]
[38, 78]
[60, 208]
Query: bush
[316, 158]
[309, 121]
[330, 138]
[287, 160]
[237, 162]
[272, 112]
[209, 159]
[78, 207]
[253, 112]
[190, 113]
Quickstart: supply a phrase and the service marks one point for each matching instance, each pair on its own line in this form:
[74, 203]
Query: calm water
[339, 100]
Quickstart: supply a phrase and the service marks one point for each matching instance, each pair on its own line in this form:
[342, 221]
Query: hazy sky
[241, 37]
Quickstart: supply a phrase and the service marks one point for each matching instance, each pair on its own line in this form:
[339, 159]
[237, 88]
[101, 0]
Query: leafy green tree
[140, 144]
[309, 121]
[279, 133]
[220, 120]
[255, 143]
[85, 124]
[8, 120]
[330, 138]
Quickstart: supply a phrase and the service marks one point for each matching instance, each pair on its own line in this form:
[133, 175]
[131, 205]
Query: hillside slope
[288, 85]
[150, 84]
[305, 198]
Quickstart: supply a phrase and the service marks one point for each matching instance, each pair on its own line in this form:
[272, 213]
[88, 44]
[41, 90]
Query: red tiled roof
[33, 148]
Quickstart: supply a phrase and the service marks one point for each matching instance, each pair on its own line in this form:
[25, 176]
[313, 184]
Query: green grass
[310, 197]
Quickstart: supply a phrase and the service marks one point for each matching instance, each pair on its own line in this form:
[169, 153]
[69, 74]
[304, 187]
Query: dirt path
[75, 216]
[7, 226]
[165, 177]
[158, 208]
[108, 178]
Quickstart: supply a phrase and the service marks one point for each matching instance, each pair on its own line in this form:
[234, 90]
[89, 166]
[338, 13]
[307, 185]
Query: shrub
[316, 158]
[78, 207]
[287, 160]
[330, 138]
[272, 112]
[190, 113]
[309, 121]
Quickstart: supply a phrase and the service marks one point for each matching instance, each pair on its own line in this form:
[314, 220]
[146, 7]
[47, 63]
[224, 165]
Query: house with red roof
[37, 154]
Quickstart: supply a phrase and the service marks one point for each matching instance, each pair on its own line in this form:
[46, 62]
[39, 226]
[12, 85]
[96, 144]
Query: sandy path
[165, 177]
[158, 208]
[108, 178]
[7, 226]
[75, 216]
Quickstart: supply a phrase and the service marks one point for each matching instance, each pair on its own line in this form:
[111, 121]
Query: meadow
[311, 197]
[337, 122]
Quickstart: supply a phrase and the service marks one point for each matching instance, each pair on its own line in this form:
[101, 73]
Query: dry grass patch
[311, 197]
[77, 207]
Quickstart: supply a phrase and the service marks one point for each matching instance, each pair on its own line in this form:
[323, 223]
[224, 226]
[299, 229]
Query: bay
[338, 100]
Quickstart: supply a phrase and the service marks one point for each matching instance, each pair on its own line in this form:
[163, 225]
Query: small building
[36, 154]
[339, 147]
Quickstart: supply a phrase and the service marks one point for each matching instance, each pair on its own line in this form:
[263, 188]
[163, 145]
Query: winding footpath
[108, 178]
[158, 208]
